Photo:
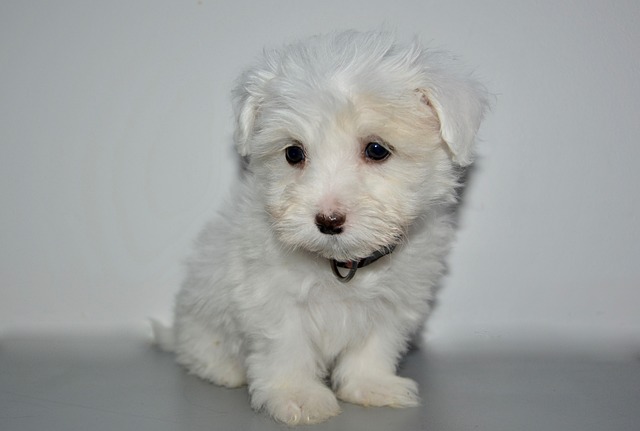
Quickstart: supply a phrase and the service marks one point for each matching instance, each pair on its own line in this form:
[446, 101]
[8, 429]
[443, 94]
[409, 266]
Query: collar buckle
[353, 266]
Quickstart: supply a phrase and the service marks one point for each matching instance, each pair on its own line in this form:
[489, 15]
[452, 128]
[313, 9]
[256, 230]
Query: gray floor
[121, 383]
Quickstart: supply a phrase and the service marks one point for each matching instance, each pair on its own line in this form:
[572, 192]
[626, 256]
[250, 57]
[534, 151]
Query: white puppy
[323, 266]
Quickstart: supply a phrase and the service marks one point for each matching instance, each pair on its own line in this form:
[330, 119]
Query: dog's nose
[330, 224]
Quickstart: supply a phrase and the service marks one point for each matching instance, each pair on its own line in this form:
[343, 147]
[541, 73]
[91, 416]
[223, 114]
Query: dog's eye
[294, 155]
[376, 151]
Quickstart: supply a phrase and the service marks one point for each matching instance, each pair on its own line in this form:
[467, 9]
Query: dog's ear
[247, 97]
[460, 105]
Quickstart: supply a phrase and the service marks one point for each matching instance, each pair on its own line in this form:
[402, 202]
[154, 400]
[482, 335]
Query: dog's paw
[231, 376]
[228, 373]
[386, 390]
[302, 405]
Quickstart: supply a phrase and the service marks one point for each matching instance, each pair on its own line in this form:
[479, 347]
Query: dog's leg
[285, 379]
[365, 374]
[209, 355]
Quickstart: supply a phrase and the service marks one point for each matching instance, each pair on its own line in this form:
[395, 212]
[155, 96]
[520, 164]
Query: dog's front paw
[385, 390]
[299, 405]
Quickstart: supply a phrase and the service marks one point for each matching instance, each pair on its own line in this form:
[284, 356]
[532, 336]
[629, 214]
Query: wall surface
[115, 138]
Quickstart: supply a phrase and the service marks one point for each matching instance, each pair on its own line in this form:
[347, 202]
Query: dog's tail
[163, 336]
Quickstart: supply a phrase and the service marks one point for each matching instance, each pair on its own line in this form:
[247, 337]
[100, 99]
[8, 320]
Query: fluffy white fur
[260, 304]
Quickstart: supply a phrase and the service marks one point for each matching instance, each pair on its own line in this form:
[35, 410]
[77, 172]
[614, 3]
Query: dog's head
[351, 137]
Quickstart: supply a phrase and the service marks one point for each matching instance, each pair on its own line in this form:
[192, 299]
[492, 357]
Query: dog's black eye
[294, 154]
[376, 151]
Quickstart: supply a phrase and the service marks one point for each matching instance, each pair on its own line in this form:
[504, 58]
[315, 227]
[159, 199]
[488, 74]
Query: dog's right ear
[248, 97]
[459, 102]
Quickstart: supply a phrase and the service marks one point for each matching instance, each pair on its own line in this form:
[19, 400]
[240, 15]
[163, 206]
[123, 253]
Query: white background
[115, 134]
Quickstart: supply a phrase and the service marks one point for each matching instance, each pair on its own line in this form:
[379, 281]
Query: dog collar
[353, 265]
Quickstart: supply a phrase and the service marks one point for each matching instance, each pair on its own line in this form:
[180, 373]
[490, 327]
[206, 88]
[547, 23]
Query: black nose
[330, 224]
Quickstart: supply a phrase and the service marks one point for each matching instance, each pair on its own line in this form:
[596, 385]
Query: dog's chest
[334, 322]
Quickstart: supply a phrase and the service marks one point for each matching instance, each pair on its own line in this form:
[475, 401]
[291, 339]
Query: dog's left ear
[247, 97]
[460, 105]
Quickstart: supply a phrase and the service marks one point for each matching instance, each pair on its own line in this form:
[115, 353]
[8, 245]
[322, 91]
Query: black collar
[353, 265]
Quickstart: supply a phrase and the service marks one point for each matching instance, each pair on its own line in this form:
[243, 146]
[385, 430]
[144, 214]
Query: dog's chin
[342, 248]
[340, 254]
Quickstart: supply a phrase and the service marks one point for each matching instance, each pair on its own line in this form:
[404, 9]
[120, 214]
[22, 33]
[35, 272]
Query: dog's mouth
[345, 254]
[343, 248]
[348, 245]
[361, 244]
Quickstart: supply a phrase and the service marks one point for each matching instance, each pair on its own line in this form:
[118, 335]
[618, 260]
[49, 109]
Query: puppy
[309, 284]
